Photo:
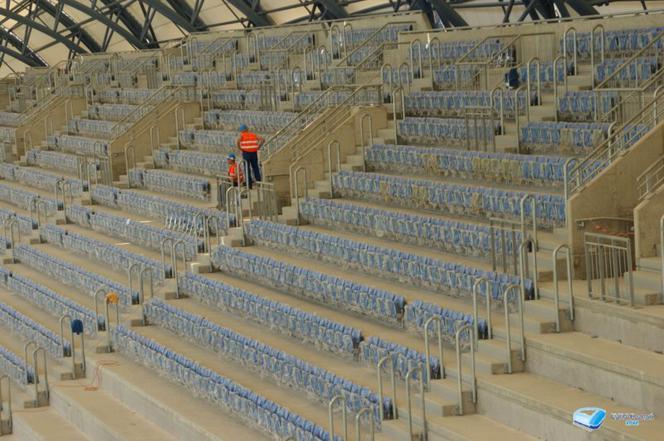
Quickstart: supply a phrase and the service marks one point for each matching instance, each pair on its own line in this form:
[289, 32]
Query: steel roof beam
[331, 9]
[253, 11]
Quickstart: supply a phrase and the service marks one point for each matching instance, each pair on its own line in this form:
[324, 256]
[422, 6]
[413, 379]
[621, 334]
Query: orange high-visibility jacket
[234, 175]
[249, 142]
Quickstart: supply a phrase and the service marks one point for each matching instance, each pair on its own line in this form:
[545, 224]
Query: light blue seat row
[273, 60]
[37, 178]
[319, 287]
[457, 199]
[204, 163]
[79, 144]
[641, 68]
[29, 329]
[467, 239]
[251, 79]
[390, 33]
[232, 99]
[450, 103]
[177, 64]
[27, 199]
[303, 99]
[337, 76]
[416, 270]
[65, 162]
[374, 349]
[568, 137]
[274, 316]
[624, 41]
[25, 223]
[253, 409]
[200, 79]
[11, 119]
[172, 183]
[418, 312]
[159, 208]
[72, 275]
[125, 96]
[97, 128]
[15, 367]
[451, 76]
[509, 168]
[280, 366]
[118, 258]
[546, 74]
[581, 105]
[133, 231]
[447, 130]
[52, 302]
[453, 50]
[116, 112]
[259, 121]
[7, 134]
[211, 141]
[294, 41]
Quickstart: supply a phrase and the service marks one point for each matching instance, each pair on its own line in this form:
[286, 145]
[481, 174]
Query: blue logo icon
[589, 418]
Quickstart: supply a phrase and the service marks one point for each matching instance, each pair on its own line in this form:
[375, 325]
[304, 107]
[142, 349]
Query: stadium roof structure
[44, 32]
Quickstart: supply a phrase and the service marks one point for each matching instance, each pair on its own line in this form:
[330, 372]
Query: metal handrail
[8, 407]
[340, 399]
[570, 283]
[337, 146]
[555, 79]
[661, 250]
[389, 357]
[366, 116]
[372, 424]
[575, 48]
[409, 375]
[439, 335]
[398, 91]
[630, 60]
[141, 290]
[476, 286]
[515, 288]
[64, 319]
[537, 62]
[368, 40]
[602, 37]
[523, 265]
[295, 175]
[457, 340]
[179, 245]
[37, 380]
[11, 224]
[651, 179]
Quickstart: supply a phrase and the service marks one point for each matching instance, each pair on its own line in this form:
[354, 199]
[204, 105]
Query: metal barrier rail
[609, 260]
[570, 282]
[6, 422]
[507, 229]
[457, 340]
[75, 370]
[651, 179]
[342, 404]
[508, 330]
[409, 376]
[482, 119]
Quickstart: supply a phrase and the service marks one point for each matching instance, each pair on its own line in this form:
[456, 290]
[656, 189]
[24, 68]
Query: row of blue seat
[451, 103]
[199, 79]
[205, 383]
[337, 76]
[457, 199]
[403, 358]
[168, 182]
[137, 232]
[159, 208]
[418, 313]
[582, 105]
[451, 278]
[294, 41]
[305, 98]
[15, 367]
[213, 141]
[28, 329]
[27, 199]
[79, 144]
[72, 275]
[25, 223]
[319, 287]
[37, 178]
[464, 238]
[546, 73]
[370, 36]
[237, 99]
[116, 257]
[222, 45]
[7, 134]
[284, 368]
[116, 112]
[50, 301]
[642, 68]
[204, 163]
[96, 128]
[258, 121]
[572, 137]
[10, 119]
[453, 50]
[447, 130]
[125, 96]
[495, 167]
[255, 78]
[64, 162]
[616, 42]
[274, 316]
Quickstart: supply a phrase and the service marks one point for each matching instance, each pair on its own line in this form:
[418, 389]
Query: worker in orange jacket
[249, 143]
[235, 173]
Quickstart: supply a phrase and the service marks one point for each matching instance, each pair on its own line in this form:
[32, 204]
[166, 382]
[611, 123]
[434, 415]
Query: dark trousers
[252, 160]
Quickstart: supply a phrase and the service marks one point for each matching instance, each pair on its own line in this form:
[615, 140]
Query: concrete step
[648, 280]
[652, 264]
[43, 425]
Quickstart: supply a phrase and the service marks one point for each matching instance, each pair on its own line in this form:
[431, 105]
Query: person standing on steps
[249, 143]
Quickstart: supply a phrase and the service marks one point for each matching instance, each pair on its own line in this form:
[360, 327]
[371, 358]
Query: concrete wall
[646, 224]
[613, 193]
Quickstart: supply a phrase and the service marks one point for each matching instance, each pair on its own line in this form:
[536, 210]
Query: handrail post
[476, 287]
[96, 297]
[366, 116]
[337, 146]
[439, 335]
[569, 30]
[6, 425]
[358, 427]
[539, 79]
[181, 246]
[457, 340]
[409, 375]
[342, 401]
[506, 291]
[661, 251]
[141, 292]
[130, 271]
[296, 175]
[570, 284]
[592, 49]
[389, 357]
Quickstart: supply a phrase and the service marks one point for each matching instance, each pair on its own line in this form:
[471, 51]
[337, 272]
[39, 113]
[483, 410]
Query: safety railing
[609, 267]
[371, 39]
[342, 405]
[6, 416]
[358, 423]
[651, 179]
[439, 337]
[473, 380]
[578, 173]
[661, 250]
[75, 329]
[12, 232]
[570, 282]
[409, 378]
[602, 39]
[556, 61]
[40, 376]
[234, 208]
[389, 361]
[481, 122]
[516, 292]
[476, 287]
[507, 231]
